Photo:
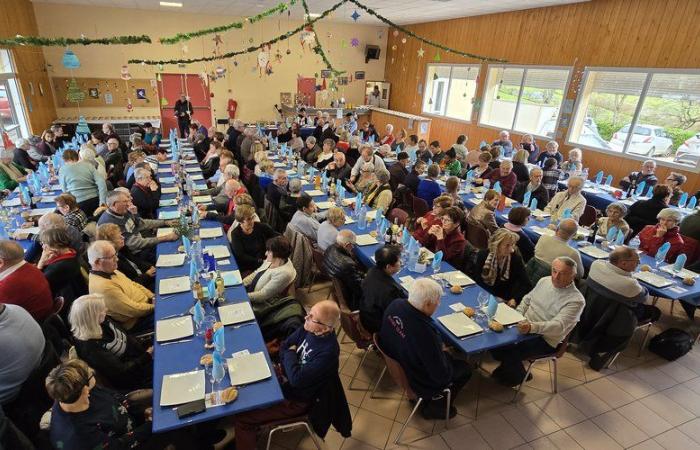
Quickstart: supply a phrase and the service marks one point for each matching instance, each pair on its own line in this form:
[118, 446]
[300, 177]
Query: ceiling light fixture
[171, 4]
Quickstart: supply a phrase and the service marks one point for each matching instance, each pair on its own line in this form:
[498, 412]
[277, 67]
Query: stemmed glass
[216, 379]
[482, 300]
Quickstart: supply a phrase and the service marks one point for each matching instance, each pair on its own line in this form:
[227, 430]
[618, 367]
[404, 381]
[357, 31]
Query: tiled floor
[641, 403]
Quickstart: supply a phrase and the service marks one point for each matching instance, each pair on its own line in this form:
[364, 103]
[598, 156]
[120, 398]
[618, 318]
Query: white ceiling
[399, 11]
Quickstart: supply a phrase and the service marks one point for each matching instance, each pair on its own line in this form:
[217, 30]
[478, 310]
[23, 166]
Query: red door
[306, 90]
[172, 86]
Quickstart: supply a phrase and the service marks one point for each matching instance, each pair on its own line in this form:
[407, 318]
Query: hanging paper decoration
[394, 47]
[355, 15]
[354, 42]
[217, 40]
[263, 62]
[129, 105]
[70, 60]
[308, 38]
[125, 75]
[421, 52]
[395, 33]
[74, 94]
[160, 67]
[437, 57]
[220, 72]
[278, 56]
[403, 40]
[185, 48]
[82, 127]
[163, 101]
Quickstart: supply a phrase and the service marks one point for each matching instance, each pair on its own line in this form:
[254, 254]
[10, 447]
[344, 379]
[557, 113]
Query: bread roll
[456, 289]
[496, 326]
[469, 311]
[206, 359]
[689, 281]
[229, 394]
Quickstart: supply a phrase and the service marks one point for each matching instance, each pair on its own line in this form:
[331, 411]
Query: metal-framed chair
[288, 425]
[550, 358]
[645, 324]
[420, 207]
[399, 376]
[590, 214]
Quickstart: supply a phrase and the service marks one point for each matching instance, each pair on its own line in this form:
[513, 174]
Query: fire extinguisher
[231, 108]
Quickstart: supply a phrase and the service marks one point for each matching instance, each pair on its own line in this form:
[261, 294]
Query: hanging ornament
[307, 38]
[250, 41]
[329, 35]
[158, 77]
[74, 94]
[235, 63]
[125, 75]
[343, 44]
[392, 60]
[204, 77]
[70, 60]
[185, 48]
[395, 33]
[355, 15]
[263, 61]
[403, 40]
[421, 52]
[380, 35]
[435, 77]
[82, 127]
[220, 72]
[394, 47]
[160, 67]
[129, 106]
[355, 42]
[217, 40]
[430, 101]
[437, 57]
[278, 56]
[289, 52]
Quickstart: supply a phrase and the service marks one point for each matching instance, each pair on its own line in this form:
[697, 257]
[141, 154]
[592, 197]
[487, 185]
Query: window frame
[21, 117]
[650, 72]
[476, 66]
[525, 68]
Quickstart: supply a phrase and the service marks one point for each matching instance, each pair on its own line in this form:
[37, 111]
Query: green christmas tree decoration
[74, 94]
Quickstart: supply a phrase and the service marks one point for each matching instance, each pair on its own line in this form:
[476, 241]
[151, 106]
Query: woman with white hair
[666, 230]
[615, 217]
[310, 151]
[11, 173]
[88, 154]
[551, 150]
[102, 343]
[574, 164]
[388, 138]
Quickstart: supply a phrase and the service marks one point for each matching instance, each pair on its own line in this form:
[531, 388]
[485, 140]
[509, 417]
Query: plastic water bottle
[634, 243]
[362, 218]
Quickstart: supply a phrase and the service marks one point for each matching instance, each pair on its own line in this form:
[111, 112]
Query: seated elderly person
[378, 195]
[573, 164]
[505, 176]
[231, 172]
[145, 194]
[409, 335]
[340, 263]
[60, 264]
[288, 202]
[549, 248]
[535, 187]
[388, 138]
[326, 155]
[338, 169]
[367, 179]
[379, 288]
[277, 188]
[652, 237]
[50, 221]
[571, 199]
[412, 180]
[482, 214]
[551, 150]
[644, 212]
[518, 217]
[309, 361]
[428, 188]
[500, 268]
[645, 174]
[447, 236]
[223, 209]
[249, 239]
[72, 215]
[505, 143]
[310, 151]
[366, 156]
[102, 343]
[614, 217]
[271, 280]
[132, 266]
[11, 173]
[127, 302]
[674, 181]
[304, 220]
[327, 232]
[432, 217]
[551, 311]
[23, 284]
[610, 284]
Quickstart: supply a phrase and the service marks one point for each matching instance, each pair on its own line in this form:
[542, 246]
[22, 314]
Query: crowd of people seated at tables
[97, 252]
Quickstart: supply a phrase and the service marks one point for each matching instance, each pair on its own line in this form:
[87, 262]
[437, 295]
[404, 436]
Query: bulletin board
[108, 93]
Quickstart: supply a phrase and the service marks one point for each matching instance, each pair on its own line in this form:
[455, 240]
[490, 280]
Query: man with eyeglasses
[127, 302]
[611, 292]
[308, 363]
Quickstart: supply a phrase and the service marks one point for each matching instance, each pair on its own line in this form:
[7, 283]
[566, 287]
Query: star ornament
[355, 42]
[421, 52]
[355, 15]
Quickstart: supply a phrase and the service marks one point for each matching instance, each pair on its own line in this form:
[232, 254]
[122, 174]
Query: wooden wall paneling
[603, 33]
[17, 17]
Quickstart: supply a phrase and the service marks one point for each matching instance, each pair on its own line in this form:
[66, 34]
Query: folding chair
[552, 357]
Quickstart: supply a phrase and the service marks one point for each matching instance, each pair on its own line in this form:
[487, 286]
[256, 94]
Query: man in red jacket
[23, 284]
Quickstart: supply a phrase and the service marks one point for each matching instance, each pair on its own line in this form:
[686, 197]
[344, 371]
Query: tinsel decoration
[279, 9]
[40, 41]
[422, 39]
[318, 49]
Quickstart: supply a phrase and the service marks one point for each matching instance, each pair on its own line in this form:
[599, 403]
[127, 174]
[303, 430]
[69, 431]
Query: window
[449, 90]
[643, 113]
[12, 117]
[524, 99]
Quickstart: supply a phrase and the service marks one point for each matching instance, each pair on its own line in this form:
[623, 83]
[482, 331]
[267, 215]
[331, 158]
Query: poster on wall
[141, 94]
[94, 93]
[342, 81]
[325, 73]
[360, 75]
[108, 98]
[286, 98]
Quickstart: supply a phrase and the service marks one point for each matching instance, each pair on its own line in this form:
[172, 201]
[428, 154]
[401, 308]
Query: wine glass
[482, 300]
[216, 378]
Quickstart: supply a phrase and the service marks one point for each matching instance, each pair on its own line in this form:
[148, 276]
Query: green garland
[318, 49]
[279, 9]
[424, 40]
[228, 55]
[39, 41]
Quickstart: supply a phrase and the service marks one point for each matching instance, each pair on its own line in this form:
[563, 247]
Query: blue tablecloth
[184, 356]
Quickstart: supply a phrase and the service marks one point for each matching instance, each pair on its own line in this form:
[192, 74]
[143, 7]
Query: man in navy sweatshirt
[410, 336]
[309, 359]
